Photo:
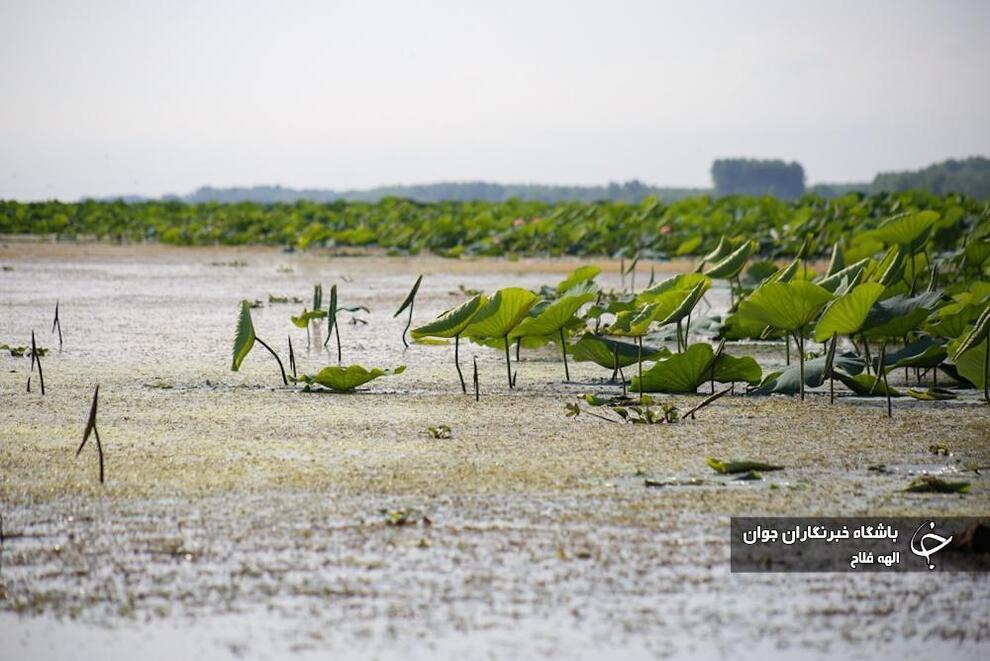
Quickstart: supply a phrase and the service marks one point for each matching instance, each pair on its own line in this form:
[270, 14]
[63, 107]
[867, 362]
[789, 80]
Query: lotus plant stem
[639, 362]
[36, 357]
[679, 334]
[563, 351]
[285, 381]
[336, 332]
[831, 378]
[91, 427]
[866, 352]
[457, 363]
[508, 362]
[56, 324]
[615, 361]
[477, 394]
[292, 359]
[518, 345]
[799, 344]
[787, 349]
[883, 373]
[408, 323]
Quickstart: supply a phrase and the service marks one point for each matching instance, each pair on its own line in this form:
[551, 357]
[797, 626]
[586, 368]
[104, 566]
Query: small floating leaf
[743, 466]
[244, 339]
[932, 484]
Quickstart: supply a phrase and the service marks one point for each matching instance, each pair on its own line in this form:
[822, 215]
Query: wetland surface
[243, 518]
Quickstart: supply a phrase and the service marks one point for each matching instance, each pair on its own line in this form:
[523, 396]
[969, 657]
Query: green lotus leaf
[907, 229]
[846, 314]
[244, 337]
[684, 282]
[453, 321]
[306, 316]
[577, 276]
[689, 245]
[745, 324]
[410, 297]
[553, 317]
[784, 274]
[317, 296]
[933, 484]
[788, 381]
[866, 385]
[730, 265]
[740, 466]
[850, 274]
[977, 253]
[502, 313]
[838, 260]
[741, 369]
[788, 306]
[969, 364]
[924, 353]
[678, 373]
[931, 395]
[343, 379]
[761, 271]
[605, 352]
[976, 336]
[897, 316]
[721, 250]
[332, 310]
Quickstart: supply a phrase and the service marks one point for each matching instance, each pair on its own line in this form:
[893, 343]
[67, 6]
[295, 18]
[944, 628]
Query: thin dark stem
[563, 350]
[99, 451]
[639, 361]
[679, 342]
[787, 349]
[518, 344]
[883, 372]
[615, 362]
[457, 364]
[336, 332]
[831, 377]
[292, 358]
[408, 323]
[477, 394]
[56, 324]
[285, 381]
[508, 362]
[866, 352]
[799, 342]
[37, 357]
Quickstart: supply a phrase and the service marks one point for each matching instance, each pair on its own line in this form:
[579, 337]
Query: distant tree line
[970, 176]
[744, 176]
[633, 191]
[731, 176]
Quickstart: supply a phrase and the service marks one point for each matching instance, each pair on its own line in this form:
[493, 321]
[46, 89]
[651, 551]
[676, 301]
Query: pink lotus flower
[518, 222]
[665, 230]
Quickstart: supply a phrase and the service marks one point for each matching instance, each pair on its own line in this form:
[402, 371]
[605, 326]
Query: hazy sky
[104, 97]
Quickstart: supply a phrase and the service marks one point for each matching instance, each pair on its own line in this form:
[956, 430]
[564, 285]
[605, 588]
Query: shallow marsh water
[242, 518]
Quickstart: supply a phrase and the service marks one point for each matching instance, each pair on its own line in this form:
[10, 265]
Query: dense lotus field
[651, 229]
[899, 294]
